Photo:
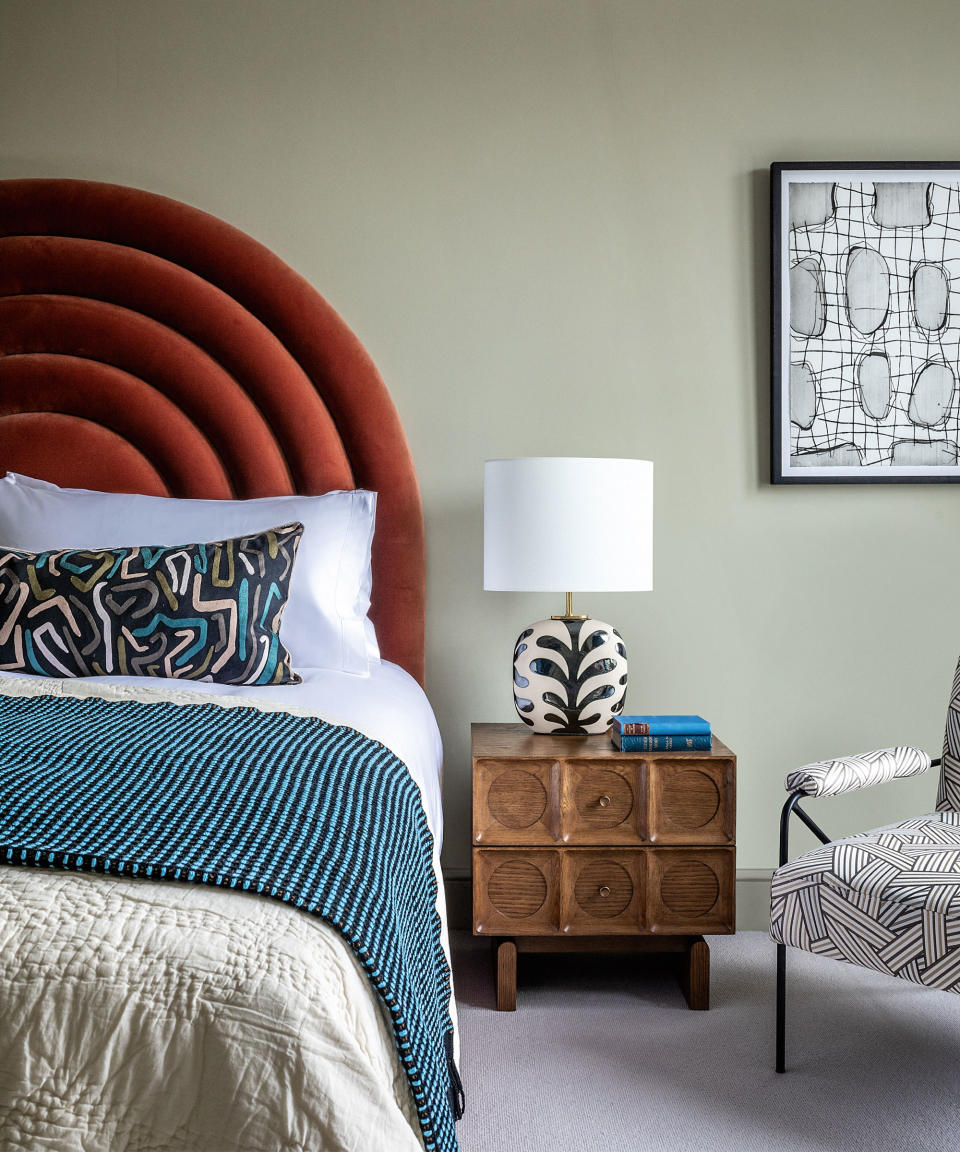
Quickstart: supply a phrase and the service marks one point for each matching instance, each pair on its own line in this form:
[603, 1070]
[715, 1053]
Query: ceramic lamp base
[569, 675]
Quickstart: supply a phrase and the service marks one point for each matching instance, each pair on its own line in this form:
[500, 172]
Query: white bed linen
[139, 1015]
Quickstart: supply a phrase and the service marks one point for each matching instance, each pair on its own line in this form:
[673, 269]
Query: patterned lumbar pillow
[192, 612]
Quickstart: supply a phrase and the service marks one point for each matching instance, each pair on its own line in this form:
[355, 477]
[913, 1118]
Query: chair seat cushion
[887, 899]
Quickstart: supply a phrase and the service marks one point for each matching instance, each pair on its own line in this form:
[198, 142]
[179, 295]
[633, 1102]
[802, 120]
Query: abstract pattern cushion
[193, 611]
[887, 899]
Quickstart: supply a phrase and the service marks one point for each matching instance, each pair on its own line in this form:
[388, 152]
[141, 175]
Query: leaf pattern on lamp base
[569, 676]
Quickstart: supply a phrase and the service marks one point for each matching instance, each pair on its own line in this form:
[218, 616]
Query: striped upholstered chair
[887, 899]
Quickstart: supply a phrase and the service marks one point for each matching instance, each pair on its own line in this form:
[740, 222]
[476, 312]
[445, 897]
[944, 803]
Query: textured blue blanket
[291, 807]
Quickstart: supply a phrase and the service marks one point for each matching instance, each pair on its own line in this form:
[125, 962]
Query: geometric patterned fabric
[948, 795]
[832, 777]
[190, 612]
[887, 899]
[292, 807]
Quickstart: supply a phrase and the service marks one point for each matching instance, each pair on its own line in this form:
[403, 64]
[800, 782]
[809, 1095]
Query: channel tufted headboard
[146, 346]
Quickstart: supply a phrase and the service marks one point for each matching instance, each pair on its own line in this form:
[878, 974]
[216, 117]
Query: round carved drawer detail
[517, 889]
[689, 888]
[690, 799]
[603, 889]
[516, 799]
[604, 799]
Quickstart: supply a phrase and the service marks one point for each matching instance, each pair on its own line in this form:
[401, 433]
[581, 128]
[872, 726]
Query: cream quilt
[137, 1016]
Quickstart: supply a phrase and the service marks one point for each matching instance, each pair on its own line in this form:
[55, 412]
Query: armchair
[888, 899]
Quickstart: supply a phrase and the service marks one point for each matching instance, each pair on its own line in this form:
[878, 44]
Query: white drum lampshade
[568, 524]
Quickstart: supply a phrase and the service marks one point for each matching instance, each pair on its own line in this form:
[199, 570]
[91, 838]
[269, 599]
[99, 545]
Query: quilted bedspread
[142, 1015]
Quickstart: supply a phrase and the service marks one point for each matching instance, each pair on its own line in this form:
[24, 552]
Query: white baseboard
[753, 898]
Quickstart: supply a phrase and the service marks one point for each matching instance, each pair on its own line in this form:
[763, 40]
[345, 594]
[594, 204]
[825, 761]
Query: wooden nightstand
[579, 847]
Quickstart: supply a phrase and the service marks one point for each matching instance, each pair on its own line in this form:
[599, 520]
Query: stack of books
[660, 734]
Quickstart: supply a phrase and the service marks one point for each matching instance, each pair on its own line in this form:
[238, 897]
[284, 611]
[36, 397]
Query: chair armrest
[832, 777]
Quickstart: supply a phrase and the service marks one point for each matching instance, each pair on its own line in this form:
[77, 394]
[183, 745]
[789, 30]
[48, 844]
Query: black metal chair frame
[792, 808]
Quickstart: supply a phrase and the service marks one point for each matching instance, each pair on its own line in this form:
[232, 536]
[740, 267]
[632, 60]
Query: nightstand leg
[505, 962]
[695, 974]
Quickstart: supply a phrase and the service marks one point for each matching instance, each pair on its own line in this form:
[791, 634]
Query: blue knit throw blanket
[291, 807]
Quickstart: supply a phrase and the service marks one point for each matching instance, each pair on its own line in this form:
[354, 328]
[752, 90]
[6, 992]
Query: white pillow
[325, 623]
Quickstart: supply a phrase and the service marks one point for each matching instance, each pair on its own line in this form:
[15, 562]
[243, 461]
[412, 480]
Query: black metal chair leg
[781, 1005]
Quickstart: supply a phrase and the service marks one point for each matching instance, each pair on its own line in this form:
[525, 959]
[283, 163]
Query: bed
[151, 349]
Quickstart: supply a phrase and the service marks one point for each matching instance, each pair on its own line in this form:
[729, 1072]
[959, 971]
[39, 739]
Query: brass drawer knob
[604, 801]
[604, 890]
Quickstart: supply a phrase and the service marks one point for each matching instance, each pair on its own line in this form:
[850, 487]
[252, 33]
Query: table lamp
[568, 524]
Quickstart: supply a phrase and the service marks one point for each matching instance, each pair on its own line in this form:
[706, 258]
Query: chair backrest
[948, 795]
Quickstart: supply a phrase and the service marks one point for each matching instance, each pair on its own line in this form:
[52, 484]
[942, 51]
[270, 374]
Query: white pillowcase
[325, 622]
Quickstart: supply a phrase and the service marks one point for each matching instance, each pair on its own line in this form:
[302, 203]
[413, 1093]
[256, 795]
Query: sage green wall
[548, 223]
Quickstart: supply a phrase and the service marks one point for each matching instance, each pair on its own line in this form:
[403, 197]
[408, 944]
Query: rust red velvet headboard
[146, 346]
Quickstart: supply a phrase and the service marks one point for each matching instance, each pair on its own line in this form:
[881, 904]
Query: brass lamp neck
[570, 614]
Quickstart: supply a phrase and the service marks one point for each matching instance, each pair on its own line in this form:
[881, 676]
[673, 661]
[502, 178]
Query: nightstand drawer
[516, 801]
[602, 803]
[691, 801]
[690, 890]
[516, 892]
[604, 893]
[558, 801]
[593, 892]
[577, 891]
[622, 801]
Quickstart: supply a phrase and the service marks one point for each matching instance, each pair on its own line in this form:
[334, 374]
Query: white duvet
[137, 1015]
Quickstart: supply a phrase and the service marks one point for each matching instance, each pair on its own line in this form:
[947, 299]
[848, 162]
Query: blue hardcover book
[697, 743]
[661, 726]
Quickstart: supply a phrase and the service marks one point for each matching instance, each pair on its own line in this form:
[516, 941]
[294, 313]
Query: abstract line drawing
[866, 330]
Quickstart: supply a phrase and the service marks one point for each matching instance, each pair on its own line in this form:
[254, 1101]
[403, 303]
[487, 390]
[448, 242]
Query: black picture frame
[837, 230]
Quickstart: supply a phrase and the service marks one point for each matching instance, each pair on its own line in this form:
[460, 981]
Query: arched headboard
[146, 346]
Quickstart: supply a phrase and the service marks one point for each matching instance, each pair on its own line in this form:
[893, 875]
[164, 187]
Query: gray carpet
[603, 1053]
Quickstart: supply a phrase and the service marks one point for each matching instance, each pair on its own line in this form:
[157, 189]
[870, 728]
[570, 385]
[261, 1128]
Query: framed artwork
[866, 326]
